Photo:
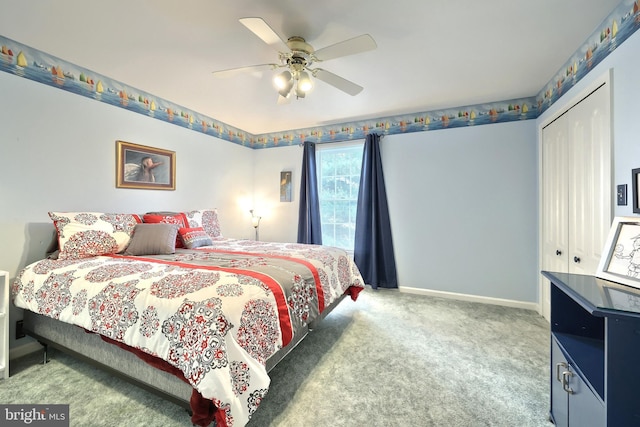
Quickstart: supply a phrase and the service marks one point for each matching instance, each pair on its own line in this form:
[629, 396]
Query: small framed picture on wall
[286, 186]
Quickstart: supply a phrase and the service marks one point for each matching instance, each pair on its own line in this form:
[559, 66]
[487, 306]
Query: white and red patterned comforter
[216, 313]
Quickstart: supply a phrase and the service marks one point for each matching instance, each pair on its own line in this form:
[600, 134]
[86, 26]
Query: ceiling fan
[297, 56]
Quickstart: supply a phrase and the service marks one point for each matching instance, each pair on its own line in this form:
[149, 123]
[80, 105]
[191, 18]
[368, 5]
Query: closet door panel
[555, 227]
[590, 191]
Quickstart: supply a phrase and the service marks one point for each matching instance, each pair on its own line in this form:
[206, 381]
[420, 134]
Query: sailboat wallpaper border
[30, 63]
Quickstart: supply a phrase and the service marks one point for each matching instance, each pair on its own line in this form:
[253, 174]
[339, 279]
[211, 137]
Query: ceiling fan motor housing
[299, 44]
[300, 56]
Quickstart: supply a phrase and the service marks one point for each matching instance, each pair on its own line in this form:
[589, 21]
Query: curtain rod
[382, 136]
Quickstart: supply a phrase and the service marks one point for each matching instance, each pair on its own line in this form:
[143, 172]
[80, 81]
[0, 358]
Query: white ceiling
[431, 54]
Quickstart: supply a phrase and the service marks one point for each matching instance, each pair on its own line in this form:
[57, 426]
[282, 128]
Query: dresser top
[599, 296]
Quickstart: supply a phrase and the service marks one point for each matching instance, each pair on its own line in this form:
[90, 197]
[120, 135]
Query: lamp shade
[284, 92]
[255, 219]
[304, 83]
[299, 93]
[283, 80]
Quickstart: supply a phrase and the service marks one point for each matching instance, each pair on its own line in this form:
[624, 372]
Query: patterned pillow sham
[194, 237]
[168, 218]
[207, 219]
[88, 234]
[153, 239]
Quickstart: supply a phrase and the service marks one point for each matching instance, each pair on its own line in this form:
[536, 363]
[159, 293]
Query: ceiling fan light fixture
[286, 89]
[304, 83]
[283, 80]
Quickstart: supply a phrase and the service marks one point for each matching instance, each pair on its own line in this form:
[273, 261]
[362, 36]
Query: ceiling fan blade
[352, 46]
[265, 32]
[234, 71]
[337, 81]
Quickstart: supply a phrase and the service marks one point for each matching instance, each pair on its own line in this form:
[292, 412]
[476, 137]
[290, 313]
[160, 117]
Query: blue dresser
[595, 352]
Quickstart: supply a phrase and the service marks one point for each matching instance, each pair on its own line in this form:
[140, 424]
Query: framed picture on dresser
[620, 261]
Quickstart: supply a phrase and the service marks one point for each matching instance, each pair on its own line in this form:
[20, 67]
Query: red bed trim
[354, 291]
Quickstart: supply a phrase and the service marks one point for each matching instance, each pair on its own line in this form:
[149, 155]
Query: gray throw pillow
[153, 239]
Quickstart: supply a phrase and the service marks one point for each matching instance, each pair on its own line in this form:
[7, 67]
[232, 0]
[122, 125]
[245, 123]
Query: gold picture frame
[143, 167]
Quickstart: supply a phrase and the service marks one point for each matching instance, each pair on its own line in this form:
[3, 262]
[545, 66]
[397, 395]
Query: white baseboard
[472, 298]
[24, 349]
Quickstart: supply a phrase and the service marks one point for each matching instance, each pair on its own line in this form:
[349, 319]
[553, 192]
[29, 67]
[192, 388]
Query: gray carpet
[389, 359]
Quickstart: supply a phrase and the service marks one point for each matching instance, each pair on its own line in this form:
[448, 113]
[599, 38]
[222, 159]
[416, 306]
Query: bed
[167, 302]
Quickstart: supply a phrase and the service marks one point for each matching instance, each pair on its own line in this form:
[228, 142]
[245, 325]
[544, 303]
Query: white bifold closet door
[577, 193]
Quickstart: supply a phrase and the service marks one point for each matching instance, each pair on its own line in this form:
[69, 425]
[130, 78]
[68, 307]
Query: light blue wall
[463, 209]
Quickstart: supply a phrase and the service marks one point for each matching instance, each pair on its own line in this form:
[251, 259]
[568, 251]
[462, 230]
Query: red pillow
[178, 218]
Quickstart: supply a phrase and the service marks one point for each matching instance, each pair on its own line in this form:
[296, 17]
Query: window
[339, 168]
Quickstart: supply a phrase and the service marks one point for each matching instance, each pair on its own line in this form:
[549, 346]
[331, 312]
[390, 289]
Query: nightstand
[4, 324]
